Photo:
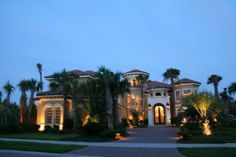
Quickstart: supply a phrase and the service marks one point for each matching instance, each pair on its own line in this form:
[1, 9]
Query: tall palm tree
[119, 87]
[142, 79]
[104, 76]
[172, 74]
[215, 79]
[9, 90]
[33, 87]
[232, 88]
[40, 70]
[0, 96]
[62, 82]
[24, 86]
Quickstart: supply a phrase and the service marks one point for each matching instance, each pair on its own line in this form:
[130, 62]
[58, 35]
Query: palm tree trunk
[23, 109]
[41, 81]
[109, 103]
[31, 101]
[216, 91]
[8, 98]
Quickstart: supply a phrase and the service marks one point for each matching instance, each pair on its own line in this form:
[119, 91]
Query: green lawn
[38, 147]
[208, 152]
[221, 135]
[40, 136]
[54, 136]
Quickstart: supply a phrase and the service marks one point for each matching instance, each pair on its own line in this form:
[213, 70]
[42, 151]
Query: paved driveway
[139, 135]
[161, 134]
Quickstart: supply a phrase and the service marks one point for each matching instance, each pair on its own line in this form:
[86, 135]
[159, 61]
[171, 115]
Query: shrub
[124, 123]
[108, 134]
[69, 124]
[92, 128]
[111, 134]
[48, 128]
[9, 119]
[185, 133]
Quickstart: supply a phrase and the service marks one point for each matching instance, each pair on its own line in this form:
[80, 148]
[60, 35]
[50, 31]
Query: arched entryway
[159, 114]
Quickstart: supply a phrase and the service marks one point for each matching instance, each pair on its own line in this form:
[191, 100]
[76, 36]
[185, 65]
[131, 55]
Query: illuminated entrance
[159, 114]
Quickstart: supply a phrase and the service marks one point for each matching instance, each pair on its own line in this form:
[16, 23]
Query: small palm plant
[201, 103]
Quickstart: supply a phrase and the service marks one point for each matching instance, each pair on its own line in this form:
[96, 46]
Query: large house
[153, 105]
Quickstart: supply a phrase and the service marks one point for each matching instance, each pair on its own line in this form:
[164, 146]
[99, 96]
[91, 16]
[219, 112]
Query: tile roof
[186, 80]
[156, 84]
[58, 93]
[137, 71]
[78, 72]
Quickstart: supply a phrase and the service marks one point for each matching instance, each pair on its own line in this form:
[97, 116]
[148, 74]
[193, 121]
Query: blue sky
[198, 37]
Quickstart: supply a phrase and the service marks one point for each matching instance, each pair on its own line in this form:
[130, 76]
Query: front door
[159, 114]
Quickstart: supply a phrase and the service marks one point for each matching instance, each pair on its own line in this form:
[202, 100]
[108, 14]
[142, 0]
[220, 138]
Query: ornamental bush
[9, 118]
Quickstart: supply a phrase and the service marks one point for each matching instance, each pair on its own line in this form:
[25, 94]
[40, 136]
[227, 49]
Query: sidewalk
[15, 153]
[128, 145]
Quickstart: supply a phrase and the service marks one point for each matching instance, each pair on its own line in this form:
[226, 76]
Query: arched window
[48, 115]
[57, 115]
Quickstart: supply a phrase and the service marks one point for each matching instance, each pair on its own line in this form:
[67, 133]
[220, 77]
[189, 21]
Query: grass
[54, 136]
[40, 136]
[220, 135]
[38, 147]
[208, 152]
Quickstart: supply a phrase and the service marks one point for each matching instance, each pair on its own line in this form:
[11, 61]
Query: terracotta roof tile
[77, 72]
[156, 84]
[186, 80]
[136, 70]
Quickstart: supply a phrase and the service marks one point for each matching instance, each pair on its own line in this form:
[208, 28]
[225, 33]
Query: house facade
[151, 100]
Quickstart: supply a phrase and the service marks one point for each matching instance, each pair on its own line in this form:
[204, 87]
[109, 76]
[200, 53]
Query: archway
[159, 114]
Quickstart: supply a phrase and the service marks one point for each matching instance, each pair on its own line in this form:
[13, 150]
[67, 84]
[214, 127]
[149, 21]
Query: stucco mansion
[156, 100]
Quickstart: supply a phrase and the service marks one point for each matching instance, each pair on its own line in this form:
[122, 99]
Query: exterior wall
[182, 88]
[153, 100]
[43, 104]
[133, 100]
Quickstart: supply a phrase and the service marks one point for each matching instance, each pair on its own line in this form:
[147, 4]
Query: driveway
[160, 134]
[138, 135]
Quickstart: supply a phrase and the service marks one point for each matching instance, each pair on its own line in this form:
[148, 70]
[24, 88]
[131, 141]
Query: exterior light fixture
[168, 106]
[149, 107]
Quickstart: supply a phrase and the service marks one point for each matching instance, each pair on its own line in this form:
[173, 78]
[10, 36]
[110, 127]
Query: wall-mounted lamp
[168, 106]
[149, 107]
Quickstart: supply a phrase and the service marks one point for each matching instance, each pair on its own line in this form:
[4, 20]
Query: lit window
[58, 115]
[48, 115]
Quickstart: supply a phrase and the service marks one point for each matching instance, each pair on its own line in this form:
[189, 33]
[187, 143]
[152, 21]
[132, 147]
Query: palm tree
[142, 79]
[172, 74]
[215, 79]
[9, 90]
[24, 86]
[39, 67]
[232, 88]
[0, 97]
[119, 87]
[33, 87]
[62, 82]
[104, 76]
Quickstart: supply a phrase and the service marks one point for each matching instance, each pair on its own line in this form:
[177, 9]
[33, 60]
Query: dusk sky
[196, 36]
